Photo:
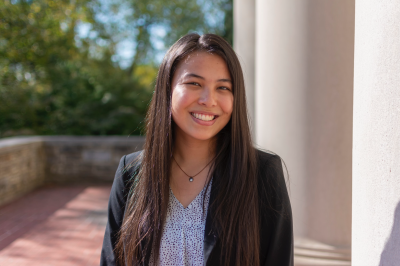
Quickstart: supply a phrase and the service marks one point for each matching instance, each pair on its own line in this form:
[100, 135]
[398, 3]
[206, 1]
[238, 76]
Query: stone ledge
[30, 162]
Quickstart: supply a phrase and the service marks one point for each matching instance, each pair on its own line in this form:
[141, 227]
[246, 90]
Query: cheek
[226, 104]
[180, 100]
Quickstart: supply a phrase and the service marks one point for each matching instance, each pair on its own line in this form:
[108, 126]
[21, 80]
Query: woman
[199, 193]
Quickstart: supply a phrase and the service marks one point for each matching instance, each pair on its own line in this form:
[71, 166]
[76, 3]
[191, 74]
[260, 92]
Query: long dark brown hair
[235, 208]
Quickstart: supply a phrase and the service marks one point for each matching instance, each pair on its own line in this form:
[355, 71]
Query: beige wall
[244, 45]
[303, 96]
[376, 149]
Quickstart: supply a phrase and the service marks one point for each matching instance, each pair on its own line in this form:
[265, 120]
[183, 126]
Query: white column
[376, 137]
[244, 44]
[304, 89]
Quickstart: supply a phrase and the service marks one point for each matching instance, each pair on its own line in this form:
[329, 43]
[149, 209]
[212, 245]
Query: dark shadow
[22, 215]
[391, 254]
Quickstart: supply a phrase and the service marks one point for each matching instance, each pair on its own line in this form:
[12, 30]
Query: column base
[310, 253]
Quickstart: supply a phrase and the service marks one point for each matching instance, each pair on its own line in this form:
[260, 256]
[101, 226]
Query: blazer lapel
[210, 235]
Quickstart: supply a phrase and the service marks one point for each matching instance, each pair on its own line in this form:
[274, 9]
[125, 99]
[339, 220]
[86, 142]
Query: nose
[207, 97]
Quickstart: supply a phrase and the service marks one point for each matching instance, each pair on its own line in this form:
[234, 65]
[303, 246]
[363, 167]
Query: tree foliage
[55, 81]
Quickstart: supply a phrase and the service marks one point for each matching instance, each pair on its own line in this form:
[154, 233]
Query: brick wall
[29, 162]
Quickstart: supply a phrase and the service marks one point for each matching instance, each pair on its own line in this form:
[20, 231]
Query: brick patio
[54, 226]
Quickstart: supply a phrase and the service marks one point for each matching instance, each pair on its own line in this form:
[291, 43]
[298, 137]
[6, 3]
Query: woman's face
[202, 98]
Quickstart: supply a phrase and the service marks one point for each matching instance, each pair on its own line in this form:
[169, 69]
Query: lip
[204, 123]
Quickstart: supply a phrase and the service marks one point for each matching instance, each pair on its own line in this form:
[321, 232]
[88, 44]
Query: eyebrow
[200, 77]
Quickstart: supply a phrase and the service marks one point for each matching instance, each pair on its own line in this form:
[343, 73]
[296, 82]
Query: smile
[203, 117]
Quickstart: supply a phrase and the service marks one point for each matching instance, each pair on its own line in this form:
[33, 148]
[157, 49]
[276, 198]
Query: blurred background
[87, 67]
[322, 86]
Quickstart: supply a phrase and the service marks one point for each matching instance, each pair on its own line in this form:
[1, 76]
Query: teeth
[203, 117]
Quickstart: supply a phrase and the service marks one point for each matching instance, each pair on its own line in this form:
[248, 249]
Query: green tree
[55, 81]
[176, 18]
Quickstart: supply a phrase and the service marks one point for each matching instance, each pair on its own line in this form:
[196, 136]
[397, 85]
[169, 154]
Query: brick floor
[54, 226]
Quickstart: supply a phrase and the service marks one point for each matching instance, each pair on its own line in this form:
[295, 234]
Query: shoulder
[133, 160]
[130, 163]
[271, 180]
[268, 161]
[127, 169]
[135, 157]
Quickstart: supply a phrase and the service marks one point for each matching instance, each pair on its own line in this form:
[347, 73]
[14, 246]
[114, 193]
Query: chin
[203, 136]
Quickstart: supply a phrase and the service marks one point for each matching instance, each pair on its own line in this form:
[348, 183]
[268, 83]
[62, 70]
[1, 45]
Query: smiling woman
[199, 193]
[202, 98]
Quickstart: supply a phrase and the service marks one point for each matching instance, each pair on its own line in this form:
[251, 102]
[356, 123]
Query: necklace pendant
[190, 179]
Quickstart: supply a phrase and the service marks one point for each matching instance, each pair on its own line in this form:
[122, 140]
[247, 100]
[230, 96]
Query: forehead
[204, 64]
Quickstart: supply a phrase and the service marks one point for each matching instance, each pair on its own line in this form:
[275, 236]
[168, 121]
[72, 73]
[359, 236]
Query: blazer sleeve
[280, 246]
[116, 208]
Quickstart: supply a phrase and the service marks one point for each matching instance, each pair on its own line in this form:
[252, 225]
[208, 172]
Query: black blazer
[276, 230]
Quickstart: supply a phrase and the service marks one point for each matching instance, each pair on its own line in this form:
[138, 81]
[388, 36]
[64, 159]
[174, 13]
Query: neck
[193, 157]
[188, 150]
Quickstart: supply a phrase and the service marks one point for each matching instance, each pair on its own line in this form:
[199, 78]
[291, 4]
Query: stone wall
[22, 165]
[30, 162]
[86, 159]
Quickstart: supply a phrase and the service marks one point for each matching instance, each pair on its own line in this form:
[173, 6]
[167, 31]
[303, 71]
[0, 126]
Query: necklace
[191, 177]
